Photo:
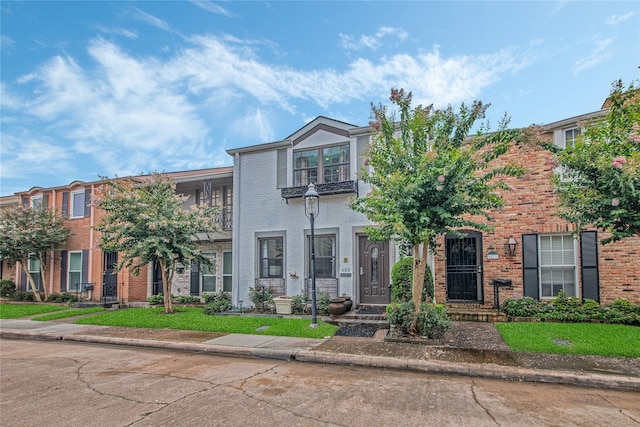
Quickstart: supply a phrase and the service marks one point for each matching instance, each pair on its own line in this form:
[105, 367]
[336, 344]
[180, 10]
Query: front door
[464, 268]
[109, 277]
[374, 271]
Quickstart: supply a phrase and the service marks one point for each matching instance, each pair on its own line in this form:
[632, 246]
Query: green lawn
[584, 338]
[68, 313]
[192, 318]
[13, 311]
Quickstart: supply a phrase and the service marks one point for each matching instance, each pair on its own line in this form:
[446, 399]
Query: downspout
[52, 253]
[235, 235]
[91, 242]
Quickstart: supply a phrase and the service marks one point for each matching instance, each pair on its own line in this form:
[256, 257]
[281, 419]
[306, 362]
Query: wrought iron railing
[341, 187]
[224, 218]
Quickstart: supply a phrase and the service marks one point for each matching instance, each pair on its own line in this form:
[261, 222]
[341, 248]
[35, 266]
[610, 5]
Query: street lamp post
[311, 209]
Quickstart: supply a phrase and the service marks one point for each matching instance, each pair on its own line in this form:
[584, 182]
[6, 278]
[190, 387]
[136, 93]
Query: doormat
[372, 309]
[362, 331]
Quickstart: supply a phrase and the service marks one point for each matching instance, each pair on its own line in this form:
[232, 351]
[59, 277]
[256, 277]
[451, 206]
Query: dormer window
[321, 165]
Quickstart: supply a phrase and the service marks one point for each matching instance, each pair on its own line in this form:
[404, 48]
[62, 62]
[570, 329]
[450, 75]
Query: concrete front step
[347, 321]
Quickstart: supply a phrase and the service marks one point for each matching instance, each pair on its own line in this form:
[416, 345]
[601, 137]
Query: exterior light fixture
[510, 246]
[311, 210]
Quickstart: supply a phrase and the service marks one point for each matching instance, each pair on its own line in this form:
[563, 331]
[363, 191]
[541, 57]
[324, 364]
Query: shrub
[402, 281]
[433, 321]
[401, 314]
[64, 297]
[188, 299]
[523, 307]
[156, 299]
[217, 303]
[7, 288]
[322, 304]
[563, 303]
[261, 296]
[623, 305]
[23, 296]
[299, 304]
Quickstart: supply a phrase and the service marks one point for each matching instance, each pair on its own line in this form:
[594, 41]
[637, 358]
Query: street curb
[508, 373]
[485, 370]
[222, 350]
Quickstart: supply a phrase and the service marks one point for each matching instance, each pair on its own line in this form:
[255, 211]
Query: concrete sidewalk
[474, 350]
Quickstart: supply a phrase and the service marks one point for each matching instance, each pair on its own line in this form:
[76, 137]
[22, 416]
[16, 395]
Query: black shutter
[589, 256]
[23, 281]
[25, 201]
[65, 204]
[45, 201]
[195, 278]
[63, 270]
[281, 168]
[87, 202]
[530, 265]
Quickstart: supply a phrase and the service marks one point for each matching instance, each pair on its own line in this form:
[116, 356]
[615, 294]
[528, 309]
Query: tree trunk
[419, 271]
[43, 268]
[32, 283]
[166, 288]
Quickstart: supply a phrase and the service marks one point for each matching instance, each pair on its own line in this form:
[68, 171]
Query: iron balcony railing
[322, 189]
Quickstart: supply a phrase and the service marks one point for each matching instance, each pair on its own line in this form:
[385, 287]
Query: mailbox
[501, 282]
[87, 286]
[496, 295]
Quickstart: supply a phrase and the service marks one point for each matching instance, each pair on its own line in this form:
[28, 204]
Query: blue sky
[92, 89]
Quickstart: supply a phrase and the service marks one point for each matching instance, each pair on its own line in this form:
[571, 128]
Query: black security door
[109, 276]
[464, 268]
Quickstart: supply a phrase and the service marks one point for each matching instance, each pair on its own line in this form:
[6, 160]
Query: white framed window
[77, 204]
[37, 201]
[34, 271]
[227, 285]
[208, 277]
[325, 252]
[74, 271]
[557, 265]
[570, 136]
[271, 257]
[321, 165]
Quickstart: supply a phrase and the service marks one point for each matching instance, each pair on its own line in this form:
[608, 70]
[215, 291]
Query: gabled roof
[320, 123]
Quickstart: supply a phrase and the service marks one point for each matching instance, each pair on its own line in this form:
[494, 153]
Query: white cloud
[118, 31]
[24, 154]
[134, 114]
[152, 20]
[6, 43]
[351, 43]
[598, 55]
[212, 7]
[617, 19]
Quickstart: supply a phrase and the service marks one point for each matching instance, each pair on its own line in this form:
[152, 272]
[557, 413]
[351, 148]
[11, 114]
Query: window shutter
[25, 201]
[85, 265]
[63, 270]
[195, 278]
[282, 168]
[45, 201]
[23, 281]
[530, 265]
[197, 201]
[65, 204]
[87, 202]
[589, 256]
[362, 143]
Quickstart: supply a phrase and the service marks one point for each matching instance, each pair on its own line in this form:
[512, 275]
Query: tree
[599, 182]
[145, 222]
[428, 178]
[27, 232]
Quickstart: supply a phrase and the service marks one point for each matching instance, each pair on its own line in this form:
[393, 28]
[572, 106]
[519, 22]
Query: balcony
[223, 218]
[341, 187]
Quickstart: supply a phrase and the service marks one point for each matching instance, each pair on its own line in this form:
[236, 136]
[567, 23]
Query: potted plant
[283, 304]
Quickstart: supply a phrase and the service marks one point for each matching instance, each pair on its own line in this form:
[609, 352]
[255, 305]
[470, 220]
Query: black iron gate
[464, 267]
[109, 277]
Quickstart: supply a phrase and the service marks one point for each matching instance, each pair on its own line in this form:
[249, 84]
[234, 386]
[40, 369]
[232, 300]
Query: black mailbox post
[496, 294]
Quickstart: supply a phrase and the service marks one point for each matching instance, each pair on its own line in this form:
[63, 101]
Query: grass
[585, 338]
[68, 313]
[13, 311]
[192, 318]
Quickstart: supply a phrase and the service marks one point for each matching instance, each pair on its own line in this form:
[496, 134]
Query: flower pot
[283, 305]
[348, 303]
[337, 307]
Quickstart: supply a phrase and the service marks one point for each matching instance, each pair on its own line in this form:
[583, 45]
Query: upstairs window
[37, 201]
[322, 165]
[77, 204]
[570, 136]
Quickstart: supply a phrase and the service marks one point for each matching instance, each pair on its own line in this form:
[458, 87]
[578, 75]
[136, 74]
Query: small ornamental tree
[599, 182]
[145, 222]
[27, 232]
[428, 178]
